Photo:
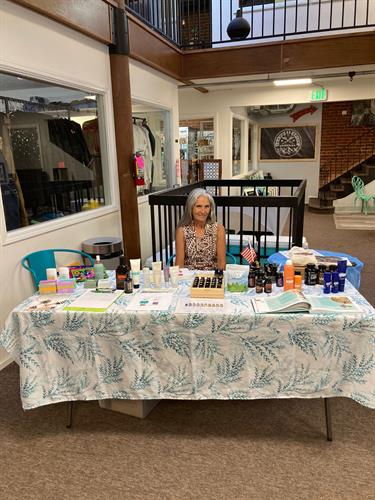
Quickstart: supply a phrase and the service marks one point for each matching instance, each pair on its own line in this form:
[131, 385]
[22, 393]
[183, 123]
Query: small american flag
[249, 254]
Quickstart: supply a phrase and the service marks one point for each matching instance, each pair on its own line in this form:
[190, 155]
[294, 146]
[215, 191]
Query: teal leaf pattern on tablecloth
[232, 354]
[173, 340]
[335, 346]
[267, 349]
[29, 357]
[87, 350]
[142, 380]
[301, 337]
[62, 383]
[355, 370]
[206, 347]
[143, 350]
[111, 370]
[57, 344]
[40, 319]
[229, 370]
[74, 321]
[261, 378]
[177, 382]
[28, 386]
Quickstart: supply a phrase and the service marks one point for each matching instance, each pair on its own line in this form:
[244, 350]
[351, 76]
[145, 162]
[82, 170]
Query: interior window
[236, 146]
[50, 151]
[151, 145]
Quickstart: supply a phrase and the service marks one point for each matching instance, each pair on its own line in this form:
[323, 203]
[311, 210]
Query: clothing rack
[143, 120]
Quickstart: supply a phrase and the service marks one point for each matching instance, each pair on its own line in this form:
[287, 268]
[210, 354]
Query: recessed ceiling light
[294, 81]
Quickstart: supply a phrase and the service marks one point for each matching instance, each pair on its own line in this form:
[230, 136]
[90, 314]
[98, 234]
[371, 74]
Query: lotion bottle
[98, 268]
[288, 275]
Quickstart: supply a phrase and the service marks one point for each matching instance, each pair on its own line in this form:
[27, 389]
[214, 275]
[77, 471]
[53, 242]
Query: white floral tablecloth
[67, 356]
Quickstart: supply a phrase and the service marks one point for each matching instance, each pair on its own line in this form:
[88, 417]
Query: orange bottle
[288, 275]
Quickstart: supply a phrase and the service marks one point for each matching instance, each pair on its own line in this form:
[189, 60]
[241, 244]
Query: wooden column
[124, 144]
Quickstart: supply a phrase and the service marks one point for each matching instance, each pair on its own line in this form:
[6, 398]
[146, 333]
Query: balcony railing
[194, 24]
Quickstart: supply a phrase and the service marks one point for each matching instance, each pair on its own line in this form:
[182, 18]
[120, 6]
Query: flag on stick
[249, 254]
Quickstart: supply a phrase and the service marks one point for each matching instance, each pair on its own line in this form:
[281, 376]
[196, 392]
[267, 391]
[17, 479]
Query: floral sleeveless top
[200, 253]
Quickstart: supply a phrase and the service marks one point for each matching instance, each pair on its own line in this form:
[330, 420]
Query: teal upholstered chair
[359, 193]
[231, 259]
[38, 262]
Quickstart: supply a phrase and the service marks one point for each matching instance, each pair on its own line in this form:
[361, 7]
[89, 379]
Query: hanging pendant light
[238, 28]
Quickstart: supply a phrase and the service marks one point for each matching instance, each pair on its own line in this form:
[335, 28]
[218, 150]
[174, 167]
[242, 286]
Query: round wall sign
[287, 143]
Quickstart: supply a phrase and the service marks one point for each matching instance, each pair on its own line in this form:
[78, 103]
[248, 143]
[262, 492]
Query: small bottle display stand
[207, 287]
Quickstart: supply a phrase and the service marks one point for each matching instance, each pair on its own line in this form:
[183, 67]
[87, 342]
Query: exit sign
[320, 94]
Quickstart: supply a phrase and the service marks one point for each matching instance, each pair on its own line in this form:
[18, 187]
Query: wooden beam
[245, 60]
[122, 108]
[149, 48]
[91, 17]
[293, 55]
[329, 52]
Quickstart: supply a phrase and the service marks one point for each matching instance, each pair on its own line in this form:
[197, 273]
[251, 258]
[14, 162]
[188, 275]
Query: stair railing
[350, 156]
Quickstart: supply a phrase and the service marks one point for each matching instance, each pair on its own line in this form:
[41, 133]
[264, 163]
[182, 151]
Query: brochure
[294, 302]
[150, 302]
[94, 301]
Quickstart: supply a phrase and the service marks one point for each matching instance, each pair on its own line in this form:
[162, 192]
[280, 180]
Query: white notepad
[94, 301]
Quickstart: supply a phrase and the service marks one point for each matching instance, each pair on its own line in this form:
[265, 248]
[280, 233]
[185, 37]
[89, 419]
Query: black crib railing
[268, 214]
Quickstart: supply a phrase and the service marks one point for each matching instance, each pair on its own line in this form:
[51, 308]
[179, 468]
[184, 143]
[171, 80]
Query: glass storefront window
[152, 141]
[50, 151]
[236, 146]
[196, 138]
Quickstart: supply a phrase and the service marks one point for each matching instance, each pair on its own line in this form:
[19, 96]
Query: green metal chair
[38, 262]
[359, 193]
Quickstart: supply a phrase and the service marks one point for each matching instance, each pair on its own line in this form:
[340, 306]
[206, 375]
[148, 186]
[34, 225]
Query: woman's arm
[180, 247]
[220, 247]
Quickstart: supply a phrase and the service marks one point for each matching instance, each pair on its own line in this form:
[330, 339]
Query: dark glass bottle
[259, 285]
[251, 279]
[122, 273]
[268, 285]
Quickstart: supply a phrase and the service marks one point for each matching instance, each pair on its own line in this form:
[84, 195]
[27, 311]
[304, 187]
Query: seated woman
[200, 240]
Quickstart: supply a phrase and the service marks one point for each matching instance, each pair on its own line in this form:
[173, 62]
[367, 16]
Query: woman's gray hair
[187, 217]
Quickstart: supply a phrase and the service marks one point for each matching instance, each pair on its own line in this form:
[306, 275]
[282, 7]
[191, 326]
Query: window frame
[108, 157]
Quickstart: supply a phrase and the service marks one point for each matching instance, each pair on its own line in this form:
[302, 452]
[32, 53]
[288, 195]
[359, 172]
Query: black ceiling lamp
[238, 28]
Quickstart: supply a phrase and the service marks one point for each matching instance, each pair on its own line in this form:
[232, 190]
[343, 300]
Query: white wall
[148, 86]
[218, 103]
[35, 46]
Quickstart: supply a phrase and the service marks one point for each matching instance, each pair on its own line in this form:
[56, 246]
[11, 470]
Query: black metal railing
[271, 219]
[203, 23]
[348, 157]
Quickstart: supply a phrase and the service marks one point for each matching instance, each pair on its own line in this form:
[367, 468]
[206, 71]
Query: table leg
[327, 409]
[70, 415]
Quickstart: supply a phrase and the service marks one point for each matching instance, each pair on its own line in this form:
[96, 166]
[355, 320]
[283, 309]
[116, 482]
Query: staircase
[356, 158]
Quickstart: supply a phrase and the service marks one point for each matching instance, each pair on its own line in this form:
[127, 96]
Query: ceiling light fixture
[294, 81]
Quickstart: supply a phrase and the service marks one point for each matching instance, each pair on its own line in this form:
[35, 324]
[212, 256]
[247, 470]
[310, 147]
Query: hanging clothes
[90, 131]
[150, 136]
[142, 146]
[68, 136]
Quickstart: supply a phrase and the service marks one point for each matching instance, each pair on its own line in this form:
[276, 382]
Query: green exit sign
[320, 94]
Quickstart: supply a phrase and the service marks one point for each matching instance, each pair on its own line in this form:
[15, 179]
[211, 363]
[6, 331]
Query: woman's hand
[180, 247]
[220, 247]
